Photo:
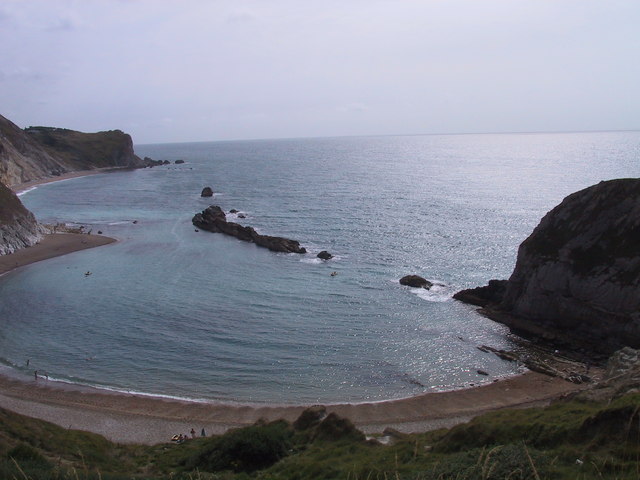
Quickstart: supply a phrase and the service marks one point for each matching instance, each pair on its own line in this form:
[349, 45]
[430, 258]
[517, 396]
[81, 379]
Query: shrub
[245, 449]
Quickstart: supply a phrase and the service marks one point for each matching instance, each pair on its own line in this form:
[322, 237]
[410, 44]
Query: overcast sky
[191, 70]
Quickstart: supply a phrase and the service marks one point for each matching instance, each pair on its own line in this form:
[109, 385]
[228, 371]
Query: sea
[174, 312]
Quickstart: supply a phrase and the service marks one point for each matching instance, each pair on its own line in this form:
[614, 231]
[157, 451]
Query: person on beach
[35, 374]
[202, 434]
[193, 433]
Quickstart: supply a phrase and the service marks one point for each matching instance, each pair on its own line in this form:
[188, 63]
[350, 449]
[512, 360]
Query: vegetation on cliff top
[570, 439]
[85, 151]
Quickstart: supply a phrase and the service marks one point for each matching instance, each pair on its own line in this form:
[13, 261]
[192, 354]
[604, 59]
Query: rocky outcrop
[207, 192]
[18, 227]
[416, 281]
[42, 152]
[577, 276]
[213, 219]
[622, 376]
[491, 294]
[150, 162]
[324, 255]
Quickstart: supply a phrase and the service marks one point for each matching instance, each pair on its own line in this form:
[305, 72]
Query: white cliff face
[43, 152]
[578, 274]
[18, 226]
[22, 159]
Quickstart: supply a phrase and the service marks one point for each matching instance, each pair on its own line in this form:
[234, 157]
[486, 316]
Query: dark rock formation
[416, 281]
[214, 220]
[491, 294]
[178, 162]
[18, 227]
[577, 276]
[42, 152]
[150, 162]
[233, 210]
[324, 255]
[207, 192]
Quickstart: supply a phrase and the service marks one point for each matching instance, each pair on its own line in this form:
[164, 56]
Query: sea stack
[415, 281]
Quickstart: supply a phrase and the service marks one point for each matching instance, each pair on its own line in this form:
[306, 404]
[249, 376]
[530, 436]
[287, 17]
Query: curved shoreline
[22, 187]
[129, 418]
[52, 245]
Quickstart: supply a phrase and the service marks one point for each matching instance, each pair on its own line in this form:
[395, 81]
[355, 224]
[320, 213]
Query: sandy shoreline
[21, 187]
[52, 245]
[129, 418]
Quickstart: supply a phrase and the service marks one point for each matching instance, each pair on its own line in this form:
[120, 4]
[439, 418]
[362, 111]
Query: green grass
[568, 440]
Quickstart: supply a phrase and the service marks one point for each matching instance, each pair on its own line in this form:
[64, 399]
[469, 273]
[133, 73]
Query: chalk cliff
[37, 153]
[577, 276]
[42, 152]
[18, 226]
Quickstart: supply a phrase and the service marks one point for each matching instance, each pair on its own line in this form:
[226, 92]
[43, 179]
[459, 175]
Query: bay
[171, 311]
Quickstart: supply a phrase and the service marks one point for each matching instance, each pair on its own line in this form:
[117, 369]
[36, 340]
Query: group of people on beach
[179, 438]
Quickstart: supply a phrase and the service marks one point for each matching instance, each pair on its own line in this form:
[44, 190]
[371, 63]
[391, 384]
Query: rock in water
[207, 192]
[324, 255]
[214, 220]
[416, 281]
[577, 276]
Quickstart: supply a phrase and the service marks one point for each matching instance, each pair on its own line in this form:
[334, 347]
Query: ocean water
[171, 311]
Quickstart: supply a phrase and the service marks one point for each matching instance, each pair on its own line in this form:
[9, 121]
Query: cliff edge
[18, 226]
[36, 153]
[577, 276]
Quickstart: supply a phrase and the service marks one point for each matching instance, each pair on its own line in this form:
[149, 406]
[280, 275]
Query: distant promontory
[39, 153]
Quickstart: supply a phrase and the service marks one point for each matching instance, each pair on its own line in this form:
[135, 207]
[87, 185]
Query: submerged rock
[207, 192]
[213, 219]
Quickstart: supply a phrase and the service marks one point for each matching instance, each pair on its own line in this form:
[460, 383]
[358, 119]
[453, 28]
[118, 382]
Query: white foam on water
[438, 293]
[30, 189]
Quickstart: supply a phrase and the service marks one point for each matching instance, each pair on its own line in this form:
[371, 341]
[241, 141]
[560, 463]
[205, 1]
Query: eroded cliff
[577, 276]
[42, 152]
[18, 226]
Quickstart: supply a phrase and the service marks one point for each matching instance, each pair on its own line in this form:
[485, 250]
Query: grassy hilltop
[571, 439]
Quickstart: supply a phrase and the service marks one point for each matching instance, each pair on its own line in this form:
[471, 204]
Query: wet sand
[21, 187]
[52, 245]
[128, 418]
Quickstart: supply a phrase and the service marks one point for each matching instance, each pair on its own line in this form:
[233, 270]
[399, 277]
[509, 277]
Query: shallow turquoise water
[171, 311]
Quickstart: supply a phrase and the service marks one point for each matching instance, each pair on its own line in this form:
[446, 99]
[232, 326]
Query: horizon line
[534, 132]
